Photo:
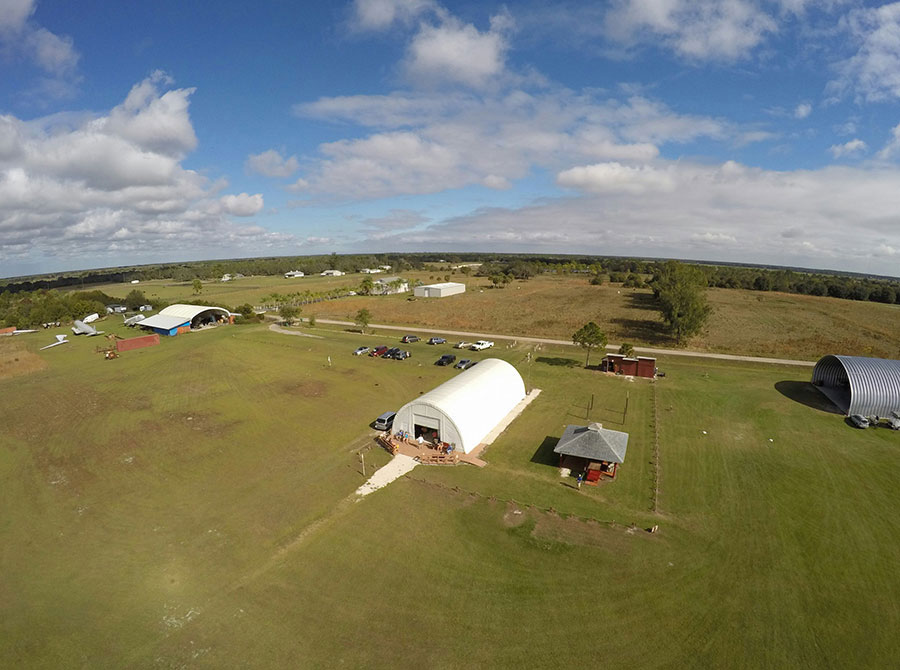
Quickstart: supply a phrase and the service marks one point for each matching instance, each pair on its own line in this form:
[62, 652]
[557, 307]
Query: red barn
[642, 366]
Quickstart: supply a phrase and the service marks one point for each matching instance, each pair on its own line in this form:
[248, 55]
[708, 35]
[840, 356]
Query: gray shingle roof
[593, 442]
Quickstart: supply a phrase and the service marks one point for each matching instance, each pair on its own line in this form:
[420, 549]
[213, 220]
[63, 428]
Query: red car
[379, 351]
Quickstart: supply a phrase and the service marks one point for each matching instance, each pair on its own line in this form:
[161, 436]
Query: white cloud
[892, 148]
[382, 14]
[78, 186]
[873, 72]
[694, 29]
[615, 178]
[726, 212]
[54, 54]
[455, 52]
[242, 204]
[802, 110]
[851, 148]
[425, 143]
[271, 164]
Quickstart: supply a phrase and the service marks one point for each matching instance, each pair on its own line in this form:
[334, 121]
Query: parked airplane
[60, 339]
[134, 320]
[81, 328]
[90, 318]
[20, 332]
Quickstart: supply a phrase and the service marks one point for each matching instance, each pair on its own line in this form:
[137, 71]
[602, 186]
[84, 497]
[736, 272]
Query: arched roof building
[859, 385]
[196, 314]
[465, 409]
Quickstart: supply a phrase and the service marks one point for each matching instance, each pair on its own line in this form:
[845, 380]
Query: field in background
[743, 322]
[186, 505]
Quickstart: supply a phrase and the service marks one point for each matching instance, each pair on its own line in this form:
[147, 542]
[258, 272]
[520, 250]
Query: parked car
[390, 353]
[360, 350]
[385, 421]
[463, 363]
[406, 339]
[402, 355]
[481, 344]
[436, 340]
[859, 421]
[446, 359]
[378, 351]
[462, 345]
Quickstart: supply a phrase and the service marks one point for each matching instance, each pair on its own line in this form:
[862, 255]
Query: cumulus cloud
[457, 52]
[851, 148]
[698, 30]
[892, 148]
[76, 185]
[719, 212]
[242, 204]
[873, 72]
[802, 110]
[425, 143]
[615, 178]
[271, 164]
[55, 55]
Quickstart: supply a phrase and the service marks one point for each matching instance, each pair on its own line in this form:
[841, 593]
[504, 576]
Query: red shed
[642, 366]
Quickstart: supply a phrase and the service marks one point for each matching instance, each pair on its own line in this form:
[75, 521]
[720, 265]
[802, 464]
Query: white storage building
[439, 290]
[198, 315]
[465, 409]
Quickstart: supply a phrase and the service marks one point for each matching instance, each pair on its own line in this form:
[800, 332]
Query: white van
[385, 421]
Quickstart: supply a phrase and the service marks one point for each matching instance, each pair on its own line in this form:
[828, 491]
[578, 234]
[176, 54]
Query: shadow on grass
[806, 394]
[559, 361]
[643, 301]
[544, 454]
[645, 330]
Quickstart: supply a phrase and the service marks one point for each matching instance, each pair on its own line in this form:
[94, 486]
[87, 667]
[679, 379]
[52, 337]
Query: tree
[626, 350]
[588, 337]
[198, 286]
[366, 286]
[288, 313]
[363, 318]
[135, 299]
[680, 291]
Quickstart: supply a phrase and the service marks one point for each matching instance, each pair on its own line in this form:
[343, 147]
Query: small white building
[293, 274]
[135, 281]
[385, 267]
[331, 273]
[464, 410]
[390, 285]
[371, 271]
[439, 290]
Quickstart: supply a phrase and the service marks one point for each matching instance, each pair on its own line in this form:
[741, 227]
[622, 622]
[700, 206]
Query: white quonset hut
[439, 290]
[198, 315]
[465, 409]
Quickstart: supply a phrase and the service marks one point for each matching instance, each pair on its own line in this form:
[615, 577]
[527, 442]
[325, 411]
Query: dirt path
[609, 347]
[275, 328]
[398, 466]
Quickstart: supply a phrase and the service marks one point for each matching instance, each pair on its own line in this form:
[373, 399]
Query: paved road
[610, 347]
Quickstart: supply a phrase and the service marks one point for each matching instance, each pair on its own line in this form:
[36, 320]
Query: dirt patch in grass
[574, 531]
[307, 388]
[16, 360]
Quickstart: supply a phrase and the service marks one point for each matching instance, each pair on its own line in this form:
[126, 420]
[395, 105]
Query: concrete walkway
[275, 328]
[398, 466]
[609, 347]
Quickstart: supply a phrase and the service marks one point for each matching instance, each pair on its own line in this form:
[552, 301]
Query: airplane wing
[60, 339]
[96, 332]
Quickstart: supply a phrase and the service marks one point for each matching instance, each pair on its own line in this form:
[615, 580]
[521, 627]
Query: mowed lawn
[191, 506]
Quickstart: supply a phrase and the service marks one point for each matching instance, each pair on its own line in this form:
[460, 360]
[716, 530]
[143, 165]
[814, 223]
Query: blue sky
[760, 131]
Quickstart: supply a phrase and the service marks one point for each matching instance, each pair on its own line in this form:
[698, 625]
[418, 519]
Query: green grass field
[190, 505]
[743, 322]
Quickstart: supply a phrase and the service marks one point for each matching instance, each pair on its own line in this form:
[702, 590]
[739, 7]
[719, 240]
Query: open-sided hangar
[176, 319]
[859, 385]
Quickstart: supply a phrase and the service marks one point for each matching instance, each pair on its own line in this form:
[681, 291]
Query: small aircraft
[20, 332]
[90, 318]
[134, 320]
[81, 328]
[60, 339]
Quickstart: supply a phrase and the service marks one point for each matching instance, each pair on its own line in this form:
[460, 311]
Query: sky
[757, 131]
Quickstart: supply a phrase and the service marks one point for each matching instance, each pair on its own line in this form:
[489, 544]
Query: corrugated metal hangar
[859, 385]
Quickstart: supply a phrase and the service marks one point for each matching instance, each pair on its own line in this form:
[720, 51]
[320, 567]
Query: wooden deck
[425, 453]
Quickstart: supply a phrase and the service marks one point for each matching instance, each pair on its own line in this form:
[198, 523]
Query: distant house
[371, 271]
[331, 273]
[135, 281]
[439, 290]
[592, 451]
[145, 308]
[385, 267]
[227, 277]
[294, 274]
[389, 285]
[116, 308]
[642, 366]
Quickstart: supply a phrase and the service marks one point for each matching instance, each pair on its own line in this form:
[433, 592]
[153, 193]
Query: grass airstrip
[192, 505]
